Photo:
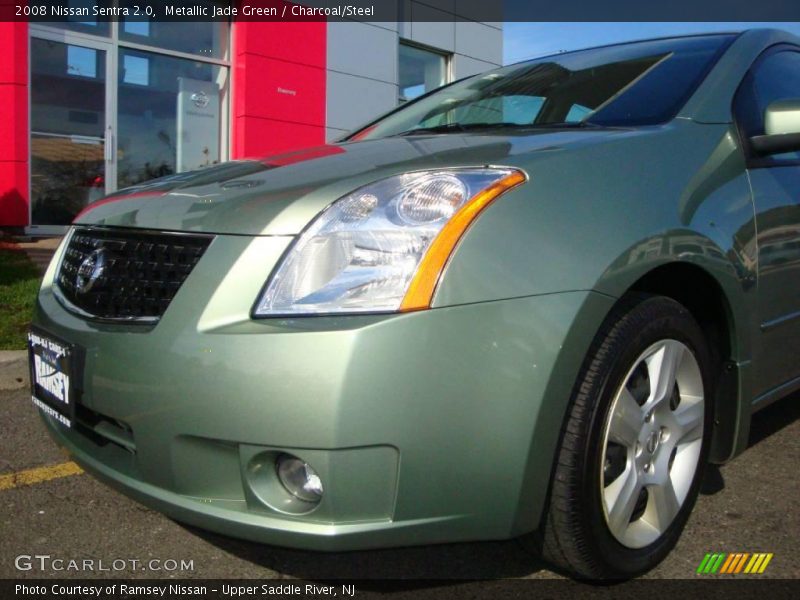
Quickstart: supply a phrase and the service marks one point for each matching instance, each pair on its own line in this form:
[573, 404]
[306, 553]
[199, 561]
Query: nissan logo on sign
[200, 99]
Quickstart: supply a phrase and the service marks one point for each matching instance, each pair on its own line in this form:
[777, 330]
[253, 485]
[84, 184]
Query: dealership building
[90, 107]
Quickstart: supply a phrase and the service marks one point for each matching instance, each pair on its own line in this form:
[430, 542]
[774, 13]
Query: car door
[775, 182]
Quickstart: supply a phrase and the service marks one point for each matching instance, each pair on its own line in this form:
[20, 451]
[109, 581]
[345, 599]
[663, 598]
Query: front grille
[117, 274]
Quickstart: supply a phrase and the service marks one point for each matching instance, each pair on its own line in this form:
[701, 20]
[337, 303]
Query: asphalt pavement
[49, 508]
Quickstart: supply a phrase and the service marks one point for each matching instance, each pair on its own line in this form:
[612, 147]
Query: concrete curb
[13, 369]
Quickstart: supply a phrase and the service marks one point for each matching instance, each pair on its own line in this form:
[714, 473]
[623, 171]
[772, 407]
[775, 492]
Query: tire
[585, 531]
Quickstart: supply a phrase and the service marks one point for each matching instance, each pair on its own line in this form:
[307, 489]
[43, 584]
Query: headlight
[383, 247]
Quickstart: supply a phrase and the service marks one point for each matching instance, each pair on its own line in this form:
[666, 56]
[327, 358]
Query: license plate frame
[56, 369]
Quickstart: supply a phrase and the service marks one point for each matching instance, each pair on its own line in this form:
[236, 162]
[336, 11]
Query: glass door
[71, 140]
[117, 103]
[169, 111]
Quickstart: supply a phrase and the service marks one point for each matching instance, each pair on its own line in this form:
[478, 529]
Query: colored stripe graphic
[727, 564]
[734, 563]
[718, 563]
[703, 563]
[755, 562]
[738, 563]
[761, 564]
[711, 563]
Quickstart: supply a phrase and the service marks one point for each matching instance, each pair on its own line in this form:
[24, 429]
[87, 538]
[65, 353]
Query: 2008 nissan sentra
[535, 302]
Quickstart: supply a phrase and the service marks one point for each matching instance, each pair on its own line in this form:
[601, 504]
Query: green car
[535, 302]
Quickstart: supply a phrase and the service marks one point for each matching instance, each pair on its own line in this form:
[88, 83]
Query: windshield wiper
[464, 127]
[570, 125]
[459, 128]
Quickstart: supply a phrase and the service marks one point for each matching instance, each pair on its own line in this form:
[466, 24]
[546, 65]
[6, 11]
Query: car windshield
[629, 84]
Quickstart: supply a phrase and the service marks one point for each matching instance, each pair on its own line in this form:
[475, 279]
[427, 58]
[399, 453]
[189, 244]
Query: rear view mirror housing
[781, 128]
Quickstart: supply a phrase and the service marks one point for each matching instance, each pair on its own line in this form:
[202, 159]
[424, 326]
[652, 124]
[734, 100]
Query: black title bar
[712, 588]
[399, 10]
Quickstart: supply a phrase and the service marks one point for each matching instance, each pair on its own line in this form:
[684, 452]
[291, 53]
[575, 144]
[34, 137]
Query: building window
[81, 62]
[420, 71]
[135, 69]
[202, 38]
[82, 24]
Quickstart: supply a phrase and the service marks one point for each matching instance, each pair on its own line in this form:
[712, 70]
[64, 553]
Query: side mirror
[781, 128]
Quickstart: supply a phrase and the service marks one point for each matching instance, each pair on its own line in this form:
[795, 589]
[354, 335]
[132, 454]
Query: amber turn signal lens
[423, 285]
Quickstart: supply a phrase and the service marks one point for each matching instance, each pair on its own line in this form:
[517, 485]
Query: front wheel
[634, 444]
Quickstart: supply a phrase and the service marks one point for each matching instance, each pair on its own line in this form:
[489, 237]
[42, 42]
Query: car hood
[279, 195]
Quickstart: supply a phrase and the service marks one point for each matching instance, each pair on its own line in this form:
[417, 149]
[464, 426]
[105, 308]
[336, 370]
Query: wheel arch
[705, 297]
[719, 315]
[711, 308]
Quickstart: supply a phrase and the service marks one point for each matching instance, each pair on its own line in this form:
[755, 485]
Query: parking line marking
[38, 475]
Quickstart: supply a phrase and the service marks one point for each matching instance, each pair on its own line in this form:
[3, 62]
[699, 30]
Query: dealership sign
[198, 124]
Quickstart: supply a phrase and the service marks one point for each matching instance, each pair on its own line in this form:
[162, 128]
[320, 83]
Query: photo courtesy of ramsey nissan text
[413, 298]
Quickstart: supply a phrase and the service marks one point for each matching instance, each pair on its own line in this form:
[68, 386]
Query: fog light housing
[299, 479]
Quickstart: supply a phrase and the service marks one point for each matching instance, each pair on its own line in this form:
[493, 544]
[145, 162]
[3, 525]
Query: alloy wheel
[651, 443]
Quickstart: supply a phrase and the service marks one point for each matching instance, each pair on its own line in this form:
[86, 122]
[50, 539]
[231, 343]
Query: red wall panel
[293, 42]
[13, 48]
[268, 136]
[13, 193]
[14, 196]
[14, 131]
[275, 89]
[278, 88]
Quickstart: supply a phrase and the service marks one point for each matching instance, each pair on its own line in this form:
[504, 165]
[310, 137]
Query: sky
[529, 40]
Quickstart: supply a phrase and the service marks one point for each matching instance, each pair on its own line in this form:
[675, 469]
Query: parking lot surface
[49, 507]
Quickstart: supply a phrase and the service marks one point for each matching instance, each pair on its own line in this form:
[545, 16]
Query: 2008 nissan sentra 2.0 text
[534, 303]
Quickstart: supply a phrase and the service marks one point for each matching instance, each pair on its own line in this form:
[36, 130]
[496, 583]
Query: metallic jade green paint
[433, 426]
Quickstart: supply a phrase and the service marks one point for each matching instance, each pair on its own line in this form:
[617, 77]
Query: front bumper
[425, 427]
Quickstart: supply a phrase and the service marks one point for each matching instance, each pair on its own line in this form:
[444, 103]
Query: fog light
[299, 478]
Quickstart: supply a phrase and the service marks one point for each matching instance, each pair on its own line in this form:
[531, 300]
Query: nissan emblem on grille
[91, 270]
[125, 274]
